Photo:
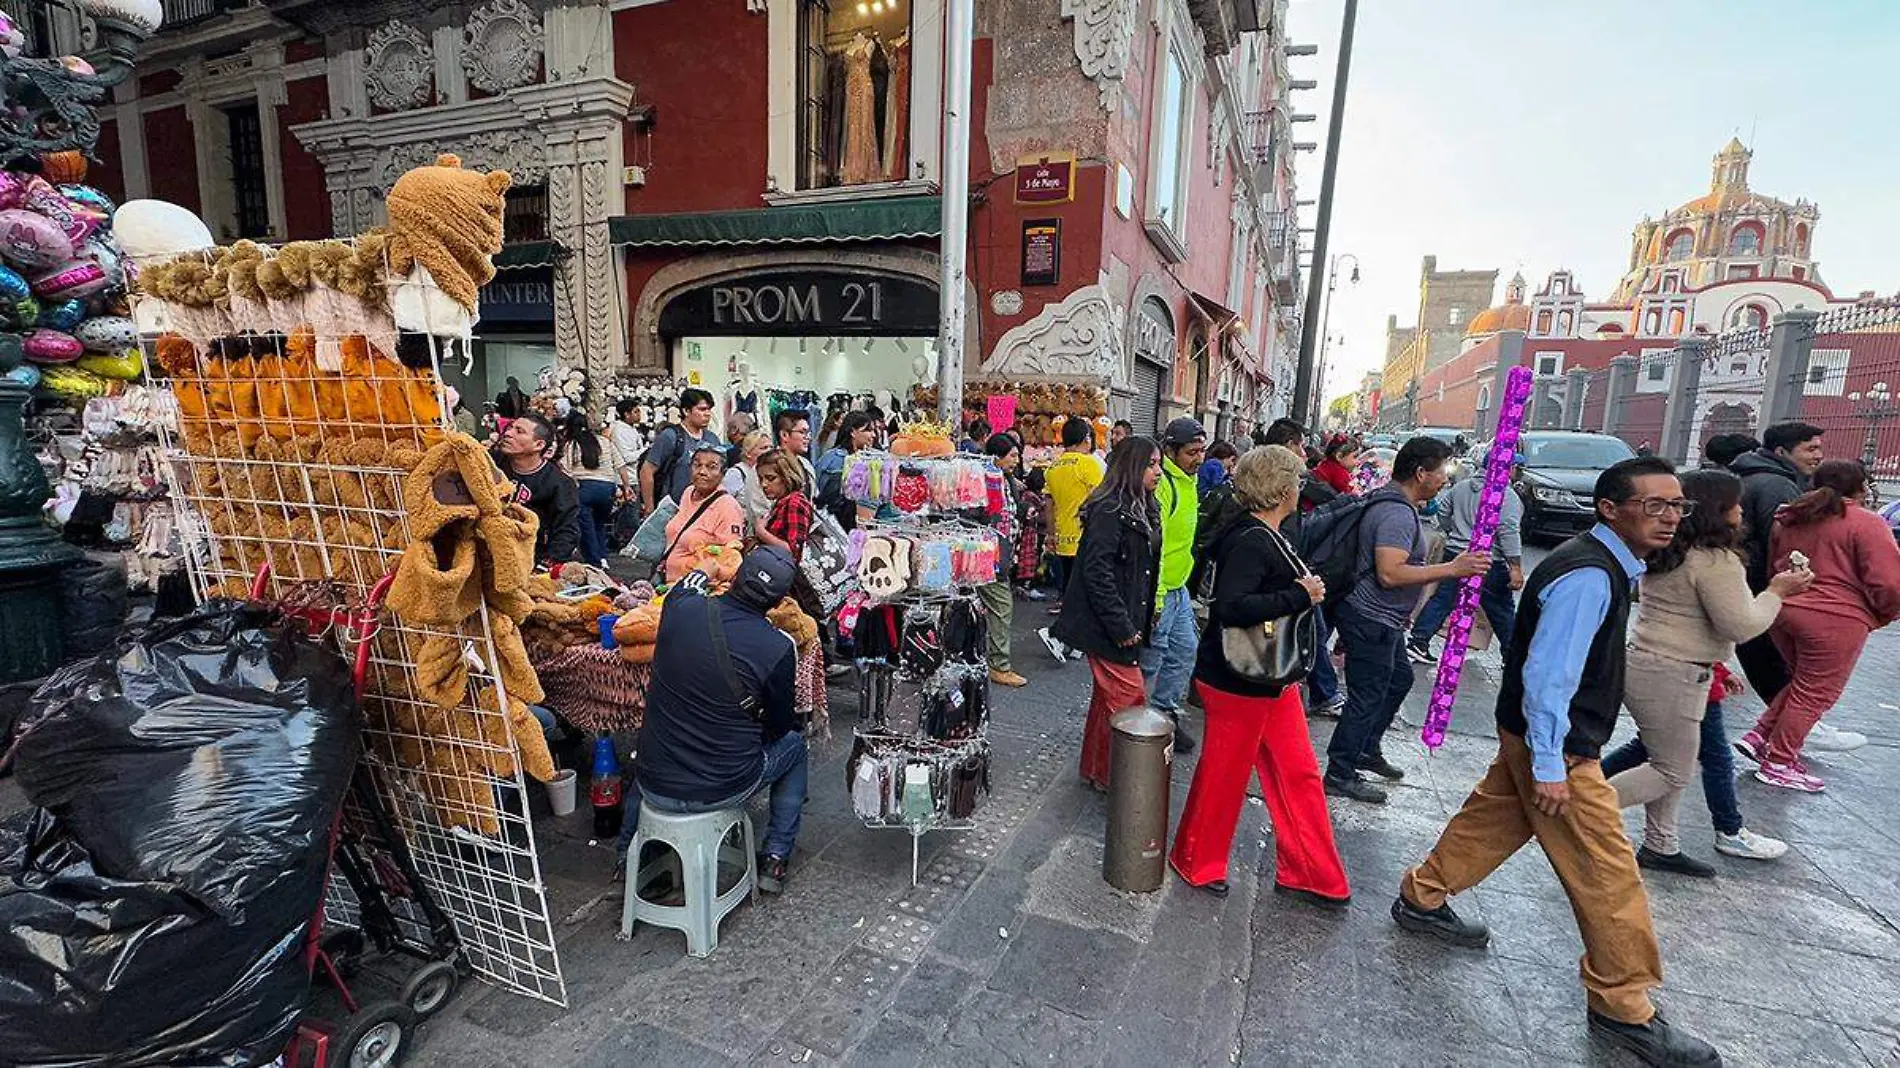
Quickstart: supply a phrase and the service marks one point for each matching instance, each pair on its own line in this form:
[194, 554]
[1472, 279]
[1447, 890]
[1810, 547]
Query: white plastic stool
[697, 842]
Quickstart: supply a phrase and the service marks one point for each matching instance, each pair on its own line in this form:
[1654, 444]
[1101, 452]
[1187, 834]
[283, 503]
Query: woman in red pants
[1820, 633]
[1109, 606]
[1254, 726]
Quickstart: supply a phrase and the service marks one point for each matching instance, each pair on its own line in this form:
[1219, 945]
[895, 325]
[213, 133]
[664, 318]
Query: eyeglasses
[1656, 506]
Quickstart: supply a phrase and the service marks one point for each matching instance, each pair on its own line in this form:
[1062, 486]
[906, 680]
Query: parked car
[1557, 480]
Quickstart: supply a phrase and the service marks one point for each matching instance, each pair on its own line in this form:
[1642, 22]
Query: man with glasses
[1557, 706]
[666, 470]
[793, 428]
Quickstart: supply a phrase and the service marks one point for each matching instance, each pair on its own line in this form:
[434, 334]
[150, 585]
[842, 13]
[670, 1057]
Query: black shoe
[1656, 1042]
[1440, 923]
[1218, 887]
[772, 872]
[1330, 904]
[1383, 768]
[1678, 862]
[1420, 652]
[1356, 789]
[1183, 741]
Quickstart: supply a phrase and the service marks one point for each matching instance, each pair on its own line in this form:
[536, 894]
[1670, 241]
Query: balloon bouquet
[64, 323]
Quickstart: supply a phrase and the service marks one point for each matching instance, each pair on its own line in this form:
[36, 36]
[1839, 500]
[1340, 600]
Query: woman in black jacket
[1258, 576]
[1109, 607]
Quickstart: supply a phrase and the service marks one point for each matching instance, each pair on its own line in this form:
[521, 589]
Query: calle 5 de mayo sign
[1045, 179]
[804, 302]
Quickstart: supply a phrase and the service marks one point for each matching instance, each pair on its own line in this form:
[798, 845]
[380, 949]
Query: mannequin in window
[897, 112]
[860, 162]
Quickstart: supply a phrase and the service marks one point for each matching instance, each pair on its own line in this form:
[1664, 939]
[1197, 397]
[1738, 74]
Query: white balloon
[148, 229]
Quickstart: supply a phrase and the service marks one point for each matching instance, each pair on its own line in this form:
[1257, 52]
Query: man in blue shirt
[1557, 706]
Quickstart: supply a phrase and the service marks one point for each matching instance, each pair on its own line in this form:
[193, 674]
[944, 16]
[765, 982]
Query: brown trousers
[1591, 855]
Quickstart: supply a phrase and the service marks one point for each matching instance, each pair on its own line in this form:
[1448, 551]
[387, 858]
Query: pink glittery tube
[1497, 482]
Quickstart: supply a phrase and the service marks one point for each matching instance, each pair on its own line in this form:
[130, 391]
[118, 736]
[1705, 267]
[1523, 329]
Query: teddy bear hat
[449, 220]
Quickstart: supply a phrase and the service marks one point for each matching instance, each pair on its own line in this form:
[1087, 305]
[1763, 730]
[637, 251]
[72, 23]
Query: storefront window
[854, 64]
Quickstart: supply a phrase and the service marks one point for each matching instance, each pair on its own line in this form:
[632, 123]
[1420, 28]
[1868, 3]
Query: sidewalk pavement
[1013, 951]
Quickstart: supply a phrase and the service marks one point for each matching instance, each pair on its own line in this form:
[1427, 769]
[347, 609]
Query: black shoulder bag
[749, 704]
[1278, 652]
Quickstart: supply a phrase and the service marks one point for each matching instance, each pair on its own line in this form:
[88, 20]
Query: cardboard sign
[1001, 411]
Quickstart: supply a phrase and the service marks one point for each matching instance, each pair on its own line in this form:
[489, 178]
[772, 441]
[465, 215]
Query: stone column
[1622, 386]
[1790, 339]
[1678, 430]
[1576, 385]
[1545, 413]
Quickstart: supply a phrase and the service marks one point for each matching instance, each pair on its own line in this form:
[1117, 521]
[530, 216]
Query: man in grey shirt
[1372, 618]
[1457, 515]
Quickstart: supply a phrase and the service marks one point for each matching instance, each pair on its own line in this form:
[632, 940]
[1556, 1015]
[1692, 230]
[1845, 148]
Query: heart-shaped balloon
[64, 316]
[75, 224]
[51, 346]
[80, 278]
[102, 250]
[12, 188]
[87, 195]
[32, 241]
[13, 286]
[107, 333]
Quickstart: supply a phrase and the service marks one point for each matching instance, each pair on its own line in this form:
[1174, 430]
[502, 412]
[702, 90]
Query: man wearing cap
[719, 722]
[1169, 663]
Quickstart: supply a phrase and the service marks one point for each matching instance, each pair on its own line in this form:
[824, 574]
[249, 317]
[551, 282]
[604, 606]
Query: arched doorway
[1728, 417]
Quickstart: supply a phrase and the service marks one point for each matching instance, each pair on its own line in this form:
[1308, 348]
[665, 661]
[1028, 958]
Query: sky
[1534, 134]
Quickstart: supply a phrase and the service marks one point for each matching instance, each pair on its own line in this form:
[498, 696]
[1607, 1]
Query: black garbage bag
[95, 603]
[157, 909]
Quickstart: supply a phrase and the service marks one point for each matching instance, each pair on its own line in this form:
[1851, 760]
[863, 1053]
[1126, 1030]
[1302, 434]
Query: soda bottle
[604, 792]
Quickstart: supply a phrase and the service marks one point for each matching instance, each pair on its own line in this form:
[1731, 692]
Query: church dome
[1513, 314]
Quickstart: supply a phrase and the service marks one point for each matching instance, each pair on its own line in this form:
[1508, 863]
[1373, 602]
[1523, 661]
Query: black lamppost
[1325, 320]
[47, 106]
[1875, 406]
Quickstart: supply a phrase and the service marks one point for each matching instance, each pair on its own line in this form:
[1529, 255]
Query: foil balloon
[88, 196]
[148, 229]
[51, 346]
[102, 250]
[80, 278]
[73, 383]
[78, 66]
[120, 367]
[64, 316]
[31, 240]
[107, 333]
[43, 198]
[26, 375]
[13, 285]
[12, 188]
[1497, 483]
[12, 38]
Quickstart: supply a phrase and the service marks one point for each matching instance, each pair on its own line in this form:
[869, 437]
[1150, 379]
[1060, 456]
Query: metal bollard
[1141, 762]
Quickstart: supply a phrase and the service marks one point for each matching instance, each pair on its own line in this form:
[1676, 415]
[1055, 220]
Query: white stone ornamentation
[502, 46]
[398, 67]
[517, 151]
[1104, 34]
[1078, 336]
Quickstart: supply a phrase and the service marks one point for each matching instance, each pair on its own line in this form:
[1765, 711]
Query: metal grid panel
[278, 461]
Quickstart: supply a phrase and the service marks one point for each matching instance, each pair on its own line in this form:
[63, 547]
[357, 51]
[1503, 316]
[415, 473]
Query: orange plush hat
[448, 220]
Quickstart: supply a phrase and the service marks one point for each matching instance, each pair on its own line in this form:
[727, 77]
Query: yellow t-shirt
[1070, 480]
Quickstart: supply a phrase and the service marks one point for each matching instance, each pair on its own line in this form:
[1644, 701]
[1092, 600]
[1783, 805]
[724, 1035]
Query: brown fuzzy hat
[435, 581]
[449, 220]
[457, 455]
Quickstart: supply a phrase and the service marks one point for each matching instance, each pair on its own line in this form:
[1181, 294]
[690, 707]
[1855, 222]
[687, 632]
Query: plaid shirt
[791, 520]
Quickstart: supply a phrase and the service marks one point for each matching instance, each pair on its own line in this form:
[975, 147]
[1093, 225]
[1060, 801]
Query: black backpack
[1329, 541]
[1219, 509]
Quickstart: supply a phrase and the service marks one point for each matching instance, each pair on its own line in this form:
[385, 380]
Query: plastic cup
[607, 632]
[561, 792]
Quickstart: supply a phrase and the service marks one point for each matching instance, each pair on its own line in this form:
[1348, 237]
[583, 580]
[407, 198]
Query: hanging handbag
[1278, 652]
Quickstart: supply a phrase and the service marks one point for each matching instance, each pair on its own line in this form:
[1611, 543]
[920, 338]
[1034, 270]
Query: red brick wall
[702, 67]
[171, 157]
[306, 203]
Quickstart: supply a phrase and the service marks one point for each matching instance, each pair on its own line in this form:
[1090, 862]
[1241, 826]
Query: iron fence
[1849, 383]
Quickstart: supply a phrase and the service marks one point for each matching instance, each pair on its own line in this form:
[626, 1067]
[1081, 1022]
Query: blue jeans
[1168, 663]
[1322, 686]
[1378, 676]
[1494, 596]
[787, 767]
[1718, 769]
[597, 518]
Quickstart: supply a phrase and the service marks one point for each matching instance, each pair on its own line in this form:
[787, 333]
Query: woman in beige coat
[1695, 606]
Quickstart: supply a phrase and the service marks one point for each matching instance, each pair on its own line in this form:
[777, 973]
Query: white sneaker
[1750, 846]
[1053, 644]
[1826, 739]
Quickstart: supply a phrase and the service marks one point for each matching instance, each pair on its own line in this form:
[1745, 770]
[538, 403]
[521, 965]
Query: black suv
[1557, 480]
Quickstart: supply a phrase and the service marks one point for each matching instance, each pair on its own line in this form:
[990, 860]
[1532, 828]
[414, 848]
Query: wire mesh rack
[289, 450]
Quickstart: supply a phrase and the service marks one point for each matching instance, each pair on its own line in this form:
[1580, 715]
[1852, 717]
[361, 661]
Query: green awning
[851, 220]
[523, 254]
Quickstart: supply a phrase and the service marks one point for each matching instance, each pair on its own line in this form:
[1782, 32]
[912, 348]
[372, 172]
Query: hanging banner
[1497, 483]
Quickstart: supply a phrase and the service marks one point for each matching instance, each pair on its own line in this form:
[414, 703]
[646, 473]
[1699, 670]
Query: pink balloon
[78, 278]
[51, 346]
[77, 226]
[12, 188]
[33, 241]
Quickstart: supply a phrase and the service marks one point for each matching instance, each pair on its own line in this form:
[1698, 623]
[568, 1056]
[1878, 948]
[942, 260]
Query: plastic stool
[697, 842]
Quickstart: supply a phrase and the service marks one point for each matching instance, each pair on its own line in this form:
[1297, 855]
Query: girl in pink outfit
[1820, 633]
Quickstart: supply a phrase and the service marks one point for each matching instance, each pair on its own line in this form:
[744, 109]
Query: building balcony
[182, 13]
[1222, 22]
[1259, 134]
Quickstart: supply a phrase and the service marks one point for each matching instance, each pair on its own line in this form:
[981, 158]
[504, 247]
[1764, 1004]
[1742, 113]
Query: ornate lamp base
[31, 553]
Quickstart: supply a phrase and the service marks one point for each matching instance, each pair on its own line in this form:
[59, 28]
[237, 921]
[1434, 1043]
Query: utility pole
[959, 39]
[1303, 378]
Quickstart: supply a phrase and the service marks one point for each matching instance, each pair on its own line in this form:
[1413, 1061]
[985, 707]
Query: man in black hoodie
[1771, 476]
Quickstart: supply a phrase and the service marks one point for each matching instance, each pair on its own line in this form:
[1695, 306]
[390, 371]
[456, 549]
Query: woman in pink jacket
[1820, 633]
